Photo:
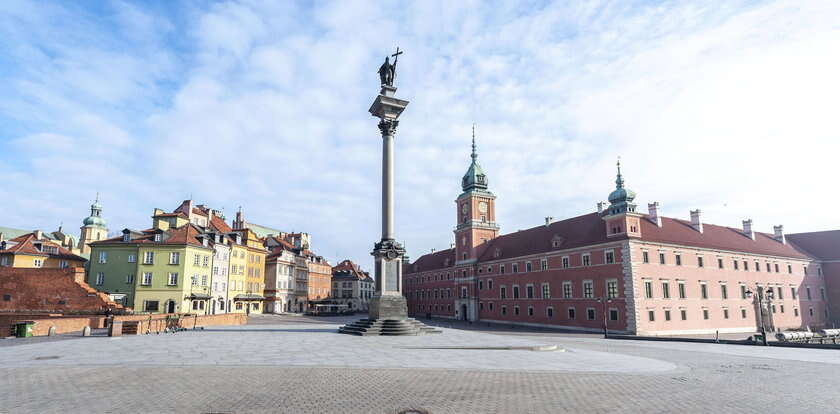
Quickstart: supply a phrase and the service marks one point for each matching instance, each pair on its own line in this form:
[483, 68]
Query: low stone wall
[146, 323]
[62, 325]
[158, 322]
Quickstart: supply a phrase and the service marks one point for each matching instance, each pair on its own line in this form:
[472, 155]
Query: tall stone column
[388, 301]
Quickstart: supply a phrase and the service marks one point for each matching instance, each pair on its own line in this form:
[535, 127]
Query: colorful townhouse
[251, 255]
[279, 276]
[34, 250]
[164, 269]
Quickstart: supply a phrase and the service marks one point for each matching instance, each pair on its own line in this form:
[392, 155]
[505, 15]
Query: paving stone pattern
[97, 375]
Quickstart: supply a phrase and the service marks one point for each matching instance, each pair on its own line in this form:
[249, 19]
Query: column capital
[388, 126]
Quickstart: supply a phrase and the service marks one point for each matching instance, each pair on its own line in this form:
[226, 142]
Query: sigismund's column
[388, 301]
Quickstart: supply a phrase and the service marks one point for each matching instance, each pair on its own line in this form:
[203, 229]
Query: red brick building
[633, 272]
[50, 290]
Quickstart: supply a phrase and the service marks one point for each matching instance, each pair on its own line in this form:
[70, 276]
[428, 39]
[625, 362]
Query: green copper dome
[475, 177]
[95, 219]
[621, 199]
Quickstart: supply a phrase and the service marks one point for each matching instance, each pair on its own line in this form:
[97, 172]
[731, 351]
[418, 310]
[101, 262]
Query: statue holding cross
[388, 70]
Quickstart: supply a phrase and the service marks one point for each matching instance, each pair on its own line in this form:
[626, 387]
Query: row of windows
[778, 294]
[587, 290]
[736, 264]
[609, 258]
[666, 313]
[591, 314]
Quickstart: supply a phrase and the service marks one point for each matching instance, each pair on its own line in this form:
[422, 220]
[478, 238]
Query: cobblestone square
[293, 364]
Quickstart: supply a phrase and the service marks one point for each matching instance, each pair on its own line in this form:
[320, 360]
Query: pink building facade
[632, 272]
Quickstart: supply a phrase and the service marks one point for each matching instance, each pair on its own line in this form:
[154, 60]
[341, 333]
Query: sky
[729, 107]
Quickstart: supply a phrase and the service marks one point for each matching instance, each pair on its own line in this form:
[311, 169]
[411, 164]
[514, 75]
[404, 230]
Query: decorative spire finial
[97, 196]
[474, 154]
[619, 180]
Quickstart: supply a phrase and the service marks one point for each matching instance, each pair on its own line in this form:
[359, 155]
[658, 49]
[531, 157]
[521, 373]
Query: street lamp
[604, 301]
[760, 302]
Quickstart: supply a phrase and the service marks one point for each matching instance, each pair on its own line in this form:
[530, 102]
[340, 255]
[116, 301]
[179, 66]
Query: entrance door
[464, 311]
[170, 306]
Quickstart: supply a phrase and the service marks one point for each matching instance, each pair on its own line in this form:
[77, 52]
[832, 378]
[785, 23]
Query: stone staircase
[391, 327]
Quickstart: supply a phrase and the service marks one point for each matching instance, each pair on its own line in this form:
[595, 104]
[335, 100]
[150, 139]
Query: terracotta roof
[178, 214]
[590, 229]
[824, 245]
[199, 212]
[680, 232]
[186, 234]
[348, 270]
[25, 245]
[219, 225]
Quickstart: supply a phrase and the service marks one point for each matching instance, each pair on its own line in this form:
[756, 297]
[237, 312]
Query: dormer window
[158, 237]
[126, 237]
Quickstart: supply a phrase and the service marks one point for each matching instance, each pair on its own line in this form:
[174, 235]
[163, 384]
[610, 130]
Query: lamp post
[759, 300]
[604, 301]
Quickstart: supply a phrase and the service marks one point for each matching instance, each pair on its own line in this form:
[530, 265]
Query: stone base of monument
[388, 327]
[388, 316]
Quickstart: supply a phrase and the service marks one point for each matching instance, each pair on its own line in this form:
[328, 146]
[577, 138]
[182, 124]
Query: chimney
[38, 234]
[549, 220]
[451, 245]
[653, 213]
[601, 207]
[779, 233]
[209, 216]
[433, 249]
[748, 231]
[695, 220]
[1, 236]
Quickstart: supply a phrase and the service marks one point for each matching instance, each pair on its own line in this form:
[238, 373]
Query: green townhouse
[159, 270]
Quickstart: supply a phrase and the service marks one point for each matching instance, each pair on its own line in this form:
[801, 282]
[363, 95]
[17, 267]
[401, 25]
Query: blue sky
[729, 107]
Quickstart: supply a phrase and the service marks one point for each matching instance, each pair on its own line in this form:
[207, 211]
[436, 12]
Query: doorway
[170, 306]
[464, 311]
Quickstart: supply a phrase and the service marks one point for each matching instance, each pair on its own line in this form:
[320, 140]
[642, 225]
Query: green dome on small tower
[95, 219]
[475, 177]
[621, 199]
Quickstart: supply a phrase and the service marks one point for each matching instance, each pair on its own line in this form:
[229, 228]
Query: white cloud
[728, 108]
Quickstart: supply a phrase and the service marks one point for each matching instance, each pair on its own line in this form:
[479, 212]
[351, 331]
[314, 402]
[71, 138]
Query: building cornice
[730, 252]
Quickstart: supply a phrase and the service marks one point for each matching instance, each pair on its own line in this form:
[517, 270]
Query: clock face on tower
[482, 207]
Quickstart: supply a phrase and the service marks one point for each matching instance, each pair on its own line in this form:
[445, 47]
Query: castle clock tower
[94, 229]
[476, 213]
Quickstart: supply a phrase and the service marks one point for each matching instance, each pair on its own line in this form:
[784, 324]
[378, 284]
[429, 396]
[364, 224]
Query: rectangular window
[530, 311]
[720, 263]
[549, 312]
[793, 293]
[546, 291]
[645, 257]
[490, 284]
[613, 314]
[609, 257]
[651, 315]
[743, 291]
[683, 314]
[196, 260]
[678, 259]
[132, 258]
[757, 267]
[704, 292]
[746, 266]
[515, 292]
[571, 313]
[149, 258]
[585, 258]
[147, 278]
[796, 312]
[699, 261]
[667, 315]
[776, 266]
[587, 289]
[590, 314]
[565, 261]
[514, 268]
[174, 258]
[822, 293]
[612, 289]
[129, 279]
[726, 314]
[529, 291]
[527, 267]
[705, 314]
[544, 264]
[735, 264]
[37, 262]
[780, 293]
[516, 310]
[782, 308]
[743, 313]
[662, 258]
[768, 267]
[194, 280]
[103, 257]
[480, 285]
[150, 306]
[173, 279]
[204, 280]
[681, 289]
[724, 294]
[666, 290]
[100, 278]
[648, 289]
[503, 292]
[567, 290]
[790, 269]
[205, 261]
[502, 269]
[808, 292]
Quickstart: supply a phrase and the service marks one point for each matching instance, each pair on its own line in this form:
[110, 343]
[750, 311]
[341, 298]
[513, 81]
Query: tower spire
[619, 180]
[474, 154]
